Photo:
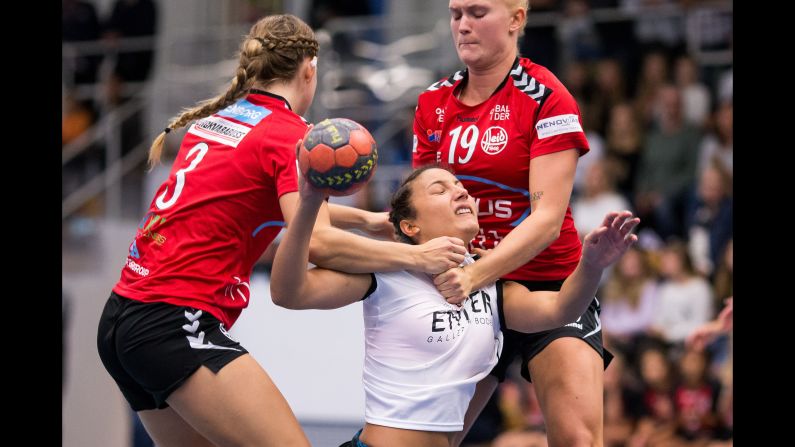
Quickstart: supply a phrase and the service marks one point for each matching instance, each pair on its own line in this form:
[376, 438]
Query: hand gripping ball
[338, 155]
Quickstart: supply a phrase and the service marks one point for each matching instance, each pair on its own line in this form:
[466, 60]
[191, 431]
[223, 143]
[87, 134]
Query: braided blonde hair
[273, 50]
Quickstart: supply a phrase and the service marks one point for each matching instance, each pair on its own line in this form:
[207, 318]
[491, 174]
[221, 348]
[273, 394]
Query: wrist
[413, 257]
[472, 274]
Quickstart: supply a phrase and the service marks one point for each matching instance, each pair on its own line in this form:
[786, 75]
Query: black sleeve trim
[500, 311]
[373, 286]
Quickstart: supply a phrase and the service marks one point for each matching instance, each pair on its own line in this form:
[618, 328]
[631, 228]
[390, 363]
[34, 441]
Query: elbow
[283, 298]
[554, 234]
[551, 225]
[319, 248]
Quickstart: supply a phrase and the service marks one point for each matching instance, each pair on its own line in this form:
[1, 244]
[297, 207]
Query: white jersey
[423, 356]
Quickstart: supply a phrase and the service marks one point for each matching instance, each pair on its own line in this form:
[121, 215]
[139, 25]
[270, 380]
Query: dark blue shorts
[150, 349]
[355, 442]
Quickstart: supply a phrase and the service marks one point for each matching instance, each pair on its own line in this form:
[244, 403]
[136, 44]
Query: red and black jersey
[219, 209]
[489, 147]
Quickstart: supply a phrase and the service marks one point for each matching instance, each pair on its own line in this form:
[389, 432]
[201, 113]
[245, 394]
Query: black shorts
[587, 327]
[150, 349]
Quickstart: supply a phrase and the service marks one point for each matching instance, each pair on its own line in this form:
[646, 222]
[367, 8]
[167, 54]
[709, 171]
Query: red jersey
[489, 147]
[218, 211]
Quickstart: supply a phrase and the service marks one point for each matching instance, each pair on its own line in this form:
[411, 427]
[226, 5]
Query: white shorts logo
[494, 140]
[556, 125]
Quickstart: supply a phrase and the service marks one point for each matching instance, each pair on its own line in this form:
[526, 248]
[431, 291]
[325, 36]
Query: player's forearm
[289, 272]
[521, 245]
[340, 250]
[578, 291]
[347, 217]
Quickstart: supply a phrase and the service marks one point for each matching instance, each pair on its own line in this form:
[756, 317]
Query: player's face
[482, 31]
[443, 207]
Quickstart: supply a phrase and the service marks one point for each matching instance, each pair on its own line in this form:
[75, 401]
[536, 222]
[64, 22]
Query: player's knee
[574, 435]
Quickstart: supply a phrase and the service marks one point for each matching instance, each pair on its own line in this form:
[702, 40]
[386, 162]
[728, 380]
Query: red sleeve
[558, 127]
[422, 152]
[280, 164]
[285, 173]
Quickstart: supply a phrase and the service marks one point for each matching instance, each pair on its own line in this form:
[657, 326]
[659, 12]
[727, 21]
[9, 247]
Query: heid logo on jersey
[440, 114]
[494, 140]
[556, 125]
[219, 130]
[245, 112]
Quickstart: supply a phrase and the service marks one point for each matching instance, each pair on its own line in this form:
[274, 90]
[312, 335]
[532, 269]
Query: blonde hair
[273, 50]
[524, 4]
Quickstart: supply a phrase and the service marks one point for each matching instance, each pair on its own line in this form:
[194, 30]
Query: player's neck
[482, 81]
[285, 90]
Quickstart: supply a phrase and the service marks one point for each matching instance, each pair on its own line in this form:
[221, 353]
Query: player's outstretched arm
[527, 311]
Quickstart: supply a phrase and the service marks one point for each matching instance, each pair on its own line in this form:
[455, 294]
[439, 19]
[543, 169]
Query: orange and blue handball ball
[338, 155]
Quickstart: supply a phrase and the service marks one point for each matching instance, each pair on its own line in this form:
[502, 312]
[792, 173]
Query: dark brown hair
[401, 202]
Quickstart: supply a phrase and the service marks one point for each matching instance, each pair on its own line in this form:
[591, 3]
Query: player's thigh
[568, 378]
[238, 405]
[168, 429]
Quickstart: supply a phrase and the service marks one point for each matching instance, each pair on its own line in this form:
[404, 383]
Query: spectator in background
[706, 336]
[598, 198]
[629, 300]
[577, 34]
[132, 18]
[624, 143]
[621, 404]
[726, 86]
[653, 75]
[325, 10]
[540, 43]
[656, 26]
[76, 118]
[609, 91]
[79, 23]
[724, 275]
[667, 166]
[695, 95]
[709, 220]
[657, 423]
[685, 299]
[718, 145]
[696, 397]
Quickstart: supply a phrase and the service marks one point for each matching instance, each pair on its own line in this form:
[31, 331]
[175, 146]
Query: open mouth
[463, 210]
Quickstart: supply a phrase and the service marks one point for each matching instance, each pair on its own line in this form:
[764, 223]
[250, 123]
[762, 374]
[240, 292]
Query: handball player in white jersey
[423, 355]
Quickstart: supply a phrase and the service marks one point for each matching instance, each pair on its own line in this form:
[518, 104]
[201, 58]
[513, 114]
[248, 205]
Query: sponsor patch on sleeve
[219, 130]
[556, 125]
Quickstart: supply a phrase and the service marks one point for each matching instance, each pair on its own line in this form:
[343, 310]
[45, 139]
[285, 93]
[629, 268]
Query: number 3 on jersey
[468, 139]
[200, 150]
